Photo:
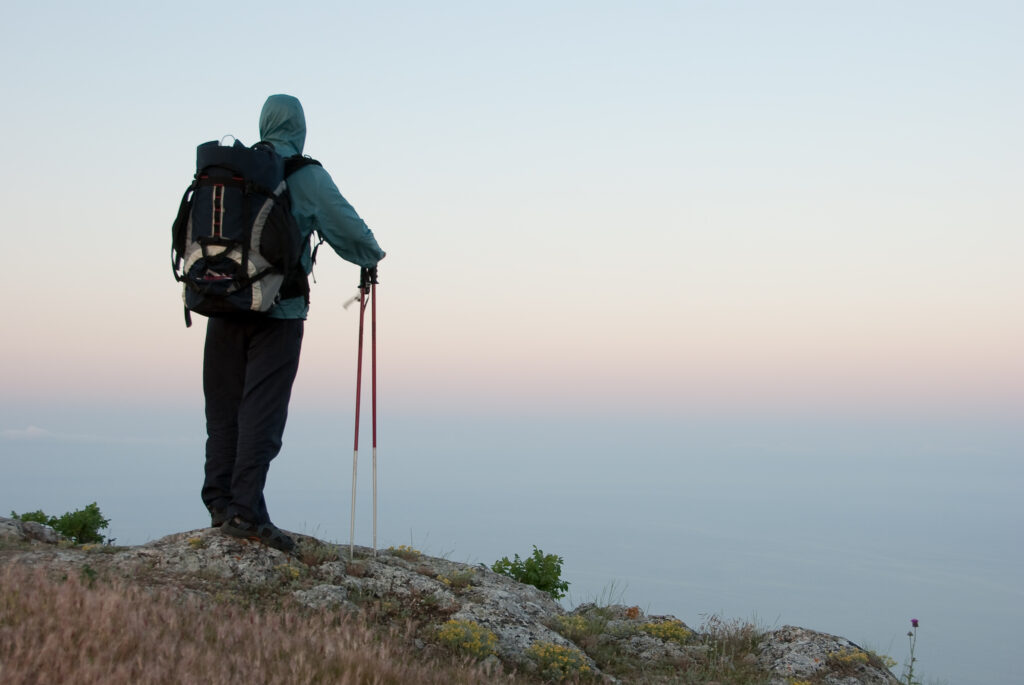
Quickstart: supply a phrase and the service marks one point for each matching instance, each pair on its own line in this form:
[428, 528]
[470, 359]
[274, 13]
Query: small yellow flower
[468, 637]
[558, 662]
[669, 631]
[405, 552]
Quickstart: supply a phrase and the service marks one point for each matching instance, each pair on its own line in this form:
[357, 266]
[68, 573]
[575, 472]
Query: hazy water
[849, 526]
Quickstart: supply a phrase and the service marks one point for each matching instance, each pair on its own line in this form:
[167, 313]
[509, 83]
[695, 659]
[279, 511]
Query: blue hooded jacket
[316, 202]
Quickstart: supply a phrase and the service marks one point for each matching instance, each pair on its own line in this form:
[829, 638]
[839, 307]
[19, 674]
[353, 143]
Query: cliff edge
[506, 626]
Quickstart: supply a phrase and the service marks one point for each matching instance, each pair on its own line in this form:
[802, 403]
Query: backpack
[235, 244]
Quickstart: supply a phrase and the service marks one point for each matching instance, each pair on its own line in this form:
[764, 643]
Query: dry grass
[732, 652]
[74, 630]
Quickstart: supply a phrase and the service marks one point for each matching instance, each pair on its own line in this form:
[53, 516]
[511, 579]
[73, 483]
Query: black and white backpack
[235, 244]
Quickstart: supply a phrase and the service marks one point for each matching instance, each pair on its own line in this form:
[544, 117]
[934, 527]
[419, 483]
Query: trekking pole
[373, 385]
[355, 444]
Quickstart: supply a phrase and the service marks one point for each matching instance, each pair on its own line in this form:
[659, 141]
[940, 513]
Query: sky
[599, 216]
[707, 203]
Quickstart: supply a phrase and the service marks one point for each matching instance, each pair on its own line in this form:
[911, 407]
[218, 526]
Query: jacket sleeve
[321, 207]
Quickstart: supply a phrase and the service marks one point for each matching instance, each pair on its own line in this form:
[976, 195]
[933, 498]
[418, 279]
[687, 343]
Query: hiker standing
[250, 363]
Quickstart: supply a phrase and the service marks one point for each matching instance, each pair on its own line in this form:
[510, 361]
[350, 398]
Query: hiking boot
[218, 517]
[266, 533]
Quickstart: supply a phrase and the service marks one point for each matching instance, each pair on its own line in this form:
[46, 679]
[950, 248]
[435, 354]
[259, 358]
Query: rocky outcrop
[614, 643]
[13, 529]
[801, 654]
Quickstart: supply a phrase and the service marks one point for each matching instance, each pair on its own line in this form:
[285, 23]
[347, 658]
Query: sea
[849, 524]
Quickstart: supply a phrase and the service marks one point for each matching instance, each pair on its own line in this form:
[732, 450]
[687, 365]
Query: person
[249, 364]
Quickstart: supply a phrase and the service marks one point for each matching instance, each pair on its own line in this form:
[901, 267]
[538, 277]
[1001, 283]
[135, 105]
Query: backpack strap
[296, 282]
[291, 165]
[296, 162]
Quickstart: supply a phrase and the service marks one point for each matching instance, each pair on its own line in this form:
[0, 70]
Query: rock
[210, 553]
[518, 614]
[15, 530]
[325, 596]
[624, 630]
[798, 653]
[406, 588]
[10, 530]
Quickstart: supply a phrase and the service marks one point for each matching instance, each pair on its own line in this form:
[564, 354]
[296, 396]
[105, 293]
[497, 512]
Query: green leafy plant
[82, 526]
[35, 516]
[543, 571]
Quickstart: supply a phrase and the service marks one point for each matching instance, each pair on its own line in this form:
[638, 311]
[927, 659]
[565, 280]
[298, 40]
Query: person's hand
[367, 277]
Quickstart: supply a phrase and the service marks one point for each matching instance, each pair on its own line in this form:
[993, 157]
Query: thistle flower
[913, 622]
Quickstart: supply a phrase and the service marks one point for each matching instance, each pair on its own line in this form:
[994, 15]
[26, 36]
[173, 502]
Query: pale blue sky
[756, 188]
[755, 169]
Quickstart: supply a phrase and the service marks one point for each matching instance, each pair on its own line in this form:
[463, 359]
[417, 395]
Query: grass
[88, 625]
[313, 552]
[77, 629]
[730, 651]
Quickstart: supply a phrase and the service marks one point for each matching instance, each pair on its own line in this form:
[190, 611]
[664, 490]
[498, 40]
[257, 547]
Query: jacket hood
[283, 123]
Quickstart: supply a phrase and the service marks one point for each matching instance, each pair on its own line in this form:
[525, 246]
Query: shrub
[580, 628]
[35, 516]
[574, 627]
[405, 552]
[289, 572]
[82, 526]
[543, 571]
[468, 637]
[557, 662]
[459, 580]
[848, 657]
[669, 631]
[312, 552]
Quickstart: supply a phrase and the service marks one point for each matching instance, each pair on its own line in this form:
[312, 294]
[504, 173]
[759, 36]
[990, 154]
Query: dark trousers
[248, 370]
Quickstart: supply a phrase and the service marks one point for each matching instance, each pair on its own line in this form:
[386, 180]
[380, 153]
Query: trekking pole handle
[367, 277]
